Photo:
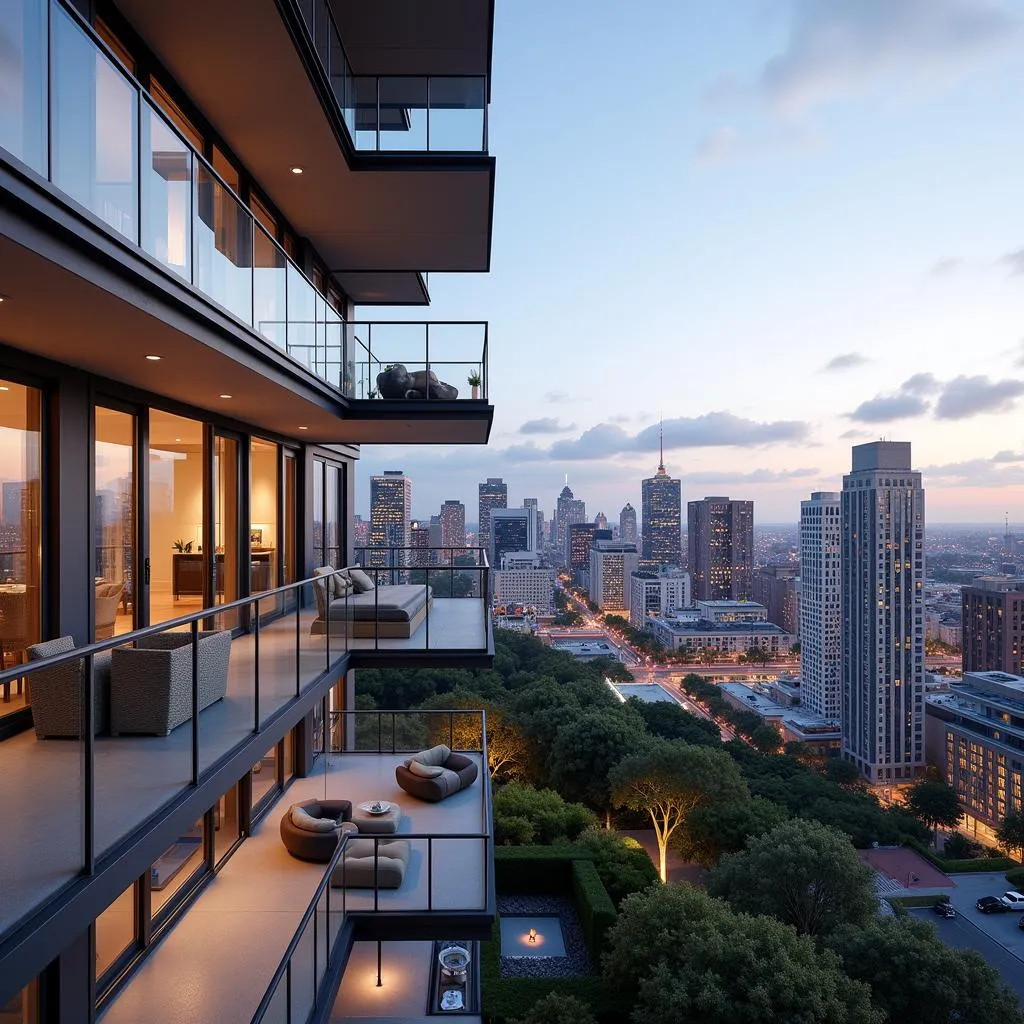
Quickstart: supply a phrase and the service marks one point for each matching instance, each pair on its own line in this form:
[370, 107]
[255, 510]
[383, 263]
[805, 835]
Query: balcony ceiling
[410, 37]
[397, 212]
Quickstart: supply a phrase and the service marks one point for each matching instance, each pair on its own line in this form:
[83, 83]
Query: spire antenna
[661, 444]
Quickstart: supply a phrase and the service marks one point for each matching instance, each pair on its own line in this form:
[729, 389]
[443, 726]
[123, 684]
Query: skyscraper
[453, 525]
[601, 521]
[492, 494]
[993, 625]
[776, 587]
[569, 510]
[720, 542]
[512, 530]
[820, 598]
[578, 539]
[661, 505]
[627, 524]
[390, 519]
[612, 563]
[419, 540]
[882, 613]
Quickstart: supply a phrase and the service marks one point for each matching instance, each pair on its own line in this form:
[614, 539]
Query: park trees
[667, 780]
[934, 803]
[1011, 833]
[689, 957]
[803, 873]
[524, 815]
[714, 829]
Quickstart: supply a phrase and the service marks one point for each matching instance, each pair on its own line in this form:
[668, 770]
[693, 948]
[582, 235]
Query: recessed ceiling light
[154, 359]
[303, 428]
[3, 298]
[4, 387]
[227, 396]
[177, 440]
[296, 169]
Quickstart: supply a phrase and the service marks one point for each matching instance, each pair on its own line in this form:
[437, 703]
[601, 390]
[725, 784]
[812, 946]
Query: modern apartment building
[521, 580]
[654, 594]
[512, 529]
[612, 563]
[696, 635]
[882, 613]
[661, 507]
[627, 524]
[975, 734]
[720, 541]
[539, 514]
[390, 520]
[453, 524]
[993, 624]
[199, 201]
[777, 587]
[820, 603]
[493, 493]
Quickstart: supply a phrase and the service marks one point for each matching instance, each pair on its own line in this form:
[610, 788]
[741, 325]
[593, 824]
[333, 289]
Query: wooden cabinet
[187, 572]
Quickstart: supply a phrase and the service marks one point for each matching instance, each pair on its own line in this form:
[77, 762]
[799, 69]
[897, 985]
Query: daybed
[386, 611]
[435, 773]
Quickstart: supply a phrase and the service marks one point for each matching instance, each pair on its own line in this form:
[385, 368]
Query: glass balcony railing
[102, 140]
[399, 113]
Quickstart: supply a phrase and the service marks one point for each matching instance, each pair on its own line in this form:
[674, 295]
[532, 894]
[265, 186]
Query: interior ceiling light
[154, 359]
[3, 298]
[296, 169]
[4, 387]
[303, 428]
[226, 396]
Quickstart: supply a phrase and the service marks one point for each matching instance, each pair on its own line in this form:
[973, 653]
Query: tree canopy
[805, 874]
[689, 957]
[1011, 833]
[935, 803]
[524, 815]
[711, 830]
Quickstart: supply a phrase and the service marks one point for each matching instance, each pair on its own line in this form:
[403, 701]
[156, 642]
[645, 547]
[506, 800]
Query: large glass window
[167, 174]
[223, 246]
[319, 555]
[227, 824]
[114, 523]
[94, 138]
[25, 1007]
[177, 565]
[116, 930]
[20, 530]
[226, 555]
[264, 776]
[264, 463]
[178, 864]
[332, 516]
[23, 81]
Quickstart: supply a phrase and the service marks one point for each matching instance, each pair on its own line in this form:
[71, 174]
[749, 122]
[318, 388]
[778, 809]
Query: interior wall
[176, 509]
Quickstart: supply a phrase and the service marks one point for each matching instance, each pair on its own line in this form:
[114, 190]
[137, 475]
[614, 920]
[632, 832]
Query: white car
[1012, 900]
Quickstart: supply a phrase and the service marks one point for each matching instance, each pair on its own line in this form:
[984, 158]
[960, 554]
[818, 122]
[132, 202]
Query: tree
[915, 977]
[712, 830]
[766, 738]
[558, 1009]
[621, 862]
[758, 655]
[667, 719]
[934, 803]
[708, 655]
[794, 649]
[667, 780]
[688, 957]
[805, 874]
[1011, 833]
[587, 748]
[845, 773]
[524, 815]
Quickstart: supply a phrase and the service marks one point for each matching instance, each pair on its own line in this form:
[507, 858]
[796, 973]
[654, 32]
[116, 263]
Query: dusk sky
[788, 226]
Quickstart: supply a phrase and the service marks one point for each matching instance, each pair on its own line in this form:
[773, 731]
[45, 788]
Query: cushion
[362, 583]
[302, 819]
[434, 756]
[341, 586]
[322, 589]
[425, 771]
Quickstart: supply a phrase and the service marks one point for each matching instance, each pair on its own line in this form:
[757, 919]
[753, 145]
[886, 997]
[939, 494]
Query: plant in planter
[473, 380]
[182, 546]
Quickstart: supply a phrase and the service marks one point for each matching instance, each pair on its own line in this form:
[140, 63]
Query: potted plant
[473, 380]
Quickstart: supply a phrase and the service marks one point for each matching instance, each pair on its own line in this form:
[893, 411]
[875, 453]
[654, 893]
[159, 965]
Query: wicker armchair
[57, 692]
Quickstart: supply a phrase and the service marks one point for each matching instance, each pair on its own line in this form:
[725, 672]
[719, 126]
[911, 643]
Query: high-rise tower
[883, 613]
[453, 525]
[568, 510]
[390, 518]
[820, 596]
[627, 524]
[720, 540]
[661, 506]
[492, 494]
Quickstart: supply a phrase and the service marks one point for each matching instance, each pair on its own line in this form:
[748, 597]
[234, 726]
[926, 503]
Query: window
[114, 523]
[116, 933]
[182, 861]
[23, 96]
[175, 113]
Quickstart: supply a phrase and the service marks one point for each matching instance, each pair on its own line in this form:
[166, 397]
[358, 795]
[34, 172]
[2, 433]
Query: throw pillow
[425, 771]
[434, 756]
[342, 586]
[304, 820]
[322, 589]
[360, 581]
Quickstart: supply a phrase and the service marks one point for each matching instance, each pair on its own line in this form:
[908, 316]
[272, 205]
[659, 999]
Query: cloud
[757, 476]
[964, 397]
[921, 384]
[546, 425]
[884, 408]
[556, 396]
[1007, 456]
[598, 442]
[844, 361]
[1014, 260]
[719, 146]
[976, 473]
[854, 435]
[717, 429]
[945, 267]
[837, 47]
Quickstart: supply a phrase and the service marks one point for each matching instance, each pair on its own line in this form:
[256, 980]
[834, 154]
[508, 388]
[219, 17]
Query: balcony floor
[218, 959]
[135, 775]
[455, 623]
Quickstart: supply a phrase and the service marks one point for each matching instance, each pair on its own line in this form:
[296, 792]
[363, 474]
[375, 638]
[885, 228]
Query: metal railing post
[430, 874]
[298, 660]
[256, 672]
[88, 719]
[195, 702]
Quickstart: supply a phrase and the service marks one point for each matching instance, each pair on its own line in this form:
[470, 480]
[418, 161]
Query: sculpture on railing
[395, 381]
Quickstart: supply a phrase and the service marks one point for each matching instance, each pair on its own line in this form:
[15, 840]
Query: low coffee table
[379, 823]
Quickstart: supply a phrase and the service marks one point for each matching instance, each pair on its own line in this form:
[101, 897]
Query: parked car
[944, 909]
[1012, 900]
[990, 905]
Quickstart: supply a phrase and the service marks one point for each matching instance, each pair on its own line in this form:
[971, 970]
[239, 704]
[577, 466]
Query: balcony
[291, 933]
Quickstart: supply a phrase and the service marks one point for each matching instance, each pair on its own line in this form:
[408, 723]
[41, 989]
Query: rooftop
[703, 626]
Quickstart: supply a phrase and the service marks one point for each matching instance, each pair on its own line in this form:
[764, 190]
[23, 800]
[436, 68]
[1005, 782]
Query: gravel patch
[574, 964]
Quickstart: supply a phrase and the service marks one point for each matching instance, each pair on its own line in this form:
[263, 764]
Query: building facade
[201, 205]
[493, 493]
[993, 625]
[522, 581]
[661, 507]
[568, 510]
[821, 602]
[578, 539]
[512, 529]
[777, 587]
[390, 520]
[539, 514]
[453, 524]
[656, 594]
[627, 524]
[696, 635]
[612, 563]
[720, 541]
[882, 614]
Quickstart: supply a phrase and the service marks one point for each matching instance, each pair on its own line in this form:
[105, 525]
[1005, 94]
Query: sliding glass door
[227, 548]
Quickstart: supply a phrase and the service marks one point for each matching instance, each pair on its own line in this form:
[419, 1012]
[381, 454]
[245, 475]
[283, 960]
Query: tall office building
[627, 524]
[453, 524]
[612, 563]
[568, 510]
[883, 613]
[390, 520]
[820, 599]
[993, 625]
[657, 594]
[492, 494]
[419, 541]
[535, 505]
[720, 540]
[578, 539]
[601, 521]
[360, 532]
[778, 589]
[435, 535]
[512, 530]
[661, 506]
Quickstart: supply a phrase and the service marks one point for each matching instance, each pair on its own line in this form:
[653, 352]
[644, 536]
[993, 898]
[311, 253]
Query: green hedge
[978, 864]
[916, 901]
[1015, 876]
[593, 904]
